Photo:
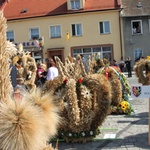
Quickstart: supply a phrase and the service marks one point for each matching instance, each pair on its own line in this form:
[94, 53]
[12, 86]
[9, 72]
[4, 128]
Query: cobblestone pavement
[130, 132]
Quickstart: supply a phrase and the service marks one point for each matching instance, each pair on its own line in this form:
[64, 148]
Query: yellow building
[65, 27]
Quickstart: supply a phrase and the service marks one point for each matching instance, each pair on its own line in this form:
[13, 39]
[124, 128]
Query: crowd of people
[124, 65]
[45, 71]
[48, 71]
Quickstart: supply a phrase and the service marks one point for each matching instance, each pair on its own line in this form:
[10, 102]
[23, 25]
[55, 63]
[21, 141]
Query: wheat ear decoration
[5, 84]
[61, 68]
[79, 62]
[90, 71]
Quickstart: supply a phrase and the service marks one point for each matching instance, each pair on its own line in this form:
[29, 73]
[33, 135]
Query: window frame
[132, 27]
[9, 39]
[104, 27]
[76, 4]
[140, 53]
[149, 24]
[76, 29]
[86, 54]
[30, 36]
[55, 30]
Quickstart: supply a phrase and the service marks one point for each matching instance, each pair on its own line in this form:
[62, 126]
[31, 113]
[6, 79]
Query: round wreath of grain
[139, 68]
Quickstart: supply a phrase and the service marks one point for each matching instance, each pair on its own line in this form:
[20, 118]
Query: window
[105, 52]
[136, 26]
[138, 54]
[10, 35]
[104, 27]
[55, 31]
[34, 33]
[75, 4]
[76, 30]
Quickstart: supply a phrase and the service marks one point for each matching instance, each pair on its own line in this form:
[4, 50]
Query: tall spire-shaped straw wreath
[29, 123]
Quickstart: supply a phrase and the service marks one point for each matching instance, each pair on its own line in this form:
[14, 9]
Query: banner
[140, 91]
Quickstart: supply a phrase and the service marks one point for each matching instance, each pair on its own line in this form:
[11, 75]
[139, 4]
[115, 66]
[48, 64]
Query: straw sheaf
[22, 126]
[99, 84]
[73, 111]
[11, 49]
[61, 68]
[69, 66]
[5, 84]
[79, 69]
[139, 68]
[98, 63]
[49, 108]
[85, 103]
[115, 86]
[52, 85]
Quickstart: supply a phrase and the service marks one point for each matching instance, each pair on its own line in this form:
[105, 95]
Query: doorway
[59, 53]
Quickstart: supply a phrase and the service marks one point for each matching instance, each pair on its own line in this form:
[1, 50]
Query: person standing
[121, 64]
[13, 75]
[128, 66]
[44, 74]
[52, 70]
[115, 63]
[39, 74]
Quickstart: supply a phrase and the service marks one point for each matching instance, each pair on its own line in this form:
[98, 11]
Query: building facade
[65, 27]
[135, 18]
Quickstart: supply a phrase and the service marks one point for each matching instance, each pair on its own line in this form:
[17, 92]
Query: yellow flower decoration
[148, 57]
[124, 105]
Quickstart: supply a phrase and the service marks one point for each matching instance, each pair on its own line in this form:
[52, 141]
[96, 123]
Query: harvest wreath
[120, 88]
[84, 100]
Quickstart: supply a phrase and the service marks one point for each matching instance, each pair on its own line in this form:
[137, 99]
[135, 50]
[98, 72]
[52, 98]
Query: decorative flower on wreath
[59, 93]
[86, 93]
[65, 81]
[79, 82]
[19, 67]
[125, 107]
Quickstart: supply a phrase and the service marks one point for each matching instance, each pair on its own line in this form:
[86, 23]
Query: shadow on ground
[142, 119]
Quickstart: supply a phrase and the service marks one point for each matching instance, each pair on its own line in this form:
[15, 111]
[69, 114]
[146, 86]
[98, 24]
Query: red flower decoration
[80, 80]
[65, 81]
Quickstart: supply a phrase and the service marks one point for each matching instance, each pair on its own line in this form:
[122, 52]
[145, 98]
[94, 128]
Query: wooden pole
[149, 120]
[149, 125]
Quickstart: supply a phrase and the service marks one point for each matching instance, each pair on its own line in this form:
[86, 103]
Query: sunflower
[126, 104]
[123, 107]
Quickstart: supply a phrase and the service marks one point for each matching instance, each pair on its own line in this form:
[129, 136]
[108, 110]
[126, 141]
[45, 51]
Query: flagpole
[67, 40]
[149, 120]
[149, 125]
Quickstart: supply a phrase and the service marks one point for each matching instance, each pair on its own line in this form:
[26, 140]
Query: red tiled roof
[36, 8]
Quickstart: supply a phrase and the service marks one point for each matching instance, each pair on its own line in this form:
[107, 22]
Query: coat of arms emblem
[136, 90]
